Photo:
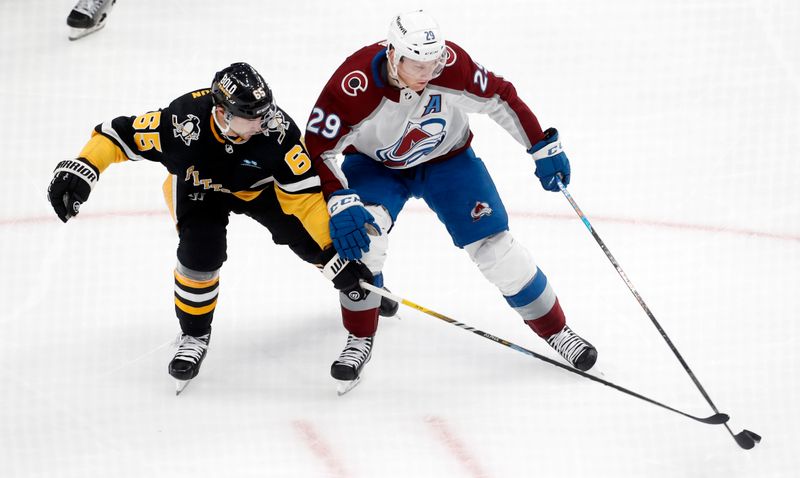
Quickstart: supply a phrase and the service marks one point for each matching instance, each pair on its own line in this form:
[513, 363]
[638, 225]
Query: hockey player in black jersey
[228, 148]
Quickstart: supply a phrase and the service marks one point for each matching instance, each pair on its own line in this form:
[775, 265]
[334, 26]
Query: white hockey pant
[509, 266]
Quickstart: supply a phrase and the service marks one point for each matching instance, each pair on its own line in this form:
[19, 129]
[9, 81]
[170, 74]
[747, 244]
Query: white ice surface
[681, 122]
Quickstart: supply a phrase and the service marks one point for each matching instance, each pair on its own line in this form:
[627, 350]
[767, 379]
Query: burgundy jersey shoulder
[352, 93]
[458, 70]
[462, 73]
[357, 86]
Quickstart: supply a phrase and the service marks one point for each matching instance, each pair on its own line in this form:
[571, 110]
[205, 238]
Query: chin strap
[391, 73]
[227, 128]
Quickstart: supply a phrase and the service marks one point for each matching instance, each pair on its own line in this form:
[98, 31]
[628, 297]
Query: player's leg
[285, 229]
[464, 197]
[288, 230]
[202, 219]
[384, 194]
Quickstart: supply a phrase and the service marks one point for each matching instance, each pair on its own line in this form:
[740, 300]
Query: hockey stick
[716, 419]
[745, 439]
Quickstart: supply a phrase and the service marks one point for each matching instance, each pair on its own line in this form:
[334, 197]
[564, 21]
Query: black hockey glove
[73, 180]
[346, 276]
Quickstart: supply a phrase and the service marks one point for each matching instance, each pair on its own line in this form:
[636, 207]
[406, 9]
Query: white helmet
[416, 36]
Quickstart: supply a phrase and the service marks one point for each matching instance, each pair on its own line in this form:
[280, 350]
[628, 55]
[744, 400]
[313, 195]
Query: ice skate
[347, 368]
[88, 16]
[578, 352]
[186, 364]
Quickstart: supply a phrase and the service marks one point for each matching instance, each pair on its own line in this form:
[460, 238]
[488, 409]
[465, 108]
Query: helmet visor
[432, 68]
[417, 74]
[246, 127]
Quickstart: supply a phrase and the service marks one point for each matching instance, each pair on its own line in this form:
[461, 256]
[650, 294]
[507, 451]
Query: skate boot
[88, 16]
[347, 368]
[388, 307]
[578, 352]
[186, 364]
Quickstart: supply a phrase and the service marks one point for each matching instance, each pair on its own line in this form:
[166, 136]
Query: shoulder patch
[199, 93]
[187, 130]
[277, 124]
[354, 82]
[451, 56]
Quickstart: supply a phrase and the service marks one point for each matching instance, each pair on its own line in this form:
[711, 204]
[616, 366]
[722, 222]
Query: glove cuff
[80, 168]
[334, 267]
[547, 147]
[343, 199]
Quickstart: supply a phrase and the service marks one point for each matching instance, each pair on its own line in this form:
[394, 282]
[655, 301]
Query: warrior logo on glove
[73, 181]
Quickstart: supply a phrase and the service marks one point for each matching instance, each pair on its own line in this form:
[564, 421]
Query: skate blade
[180, 385]
[78, 33]
[344, 386]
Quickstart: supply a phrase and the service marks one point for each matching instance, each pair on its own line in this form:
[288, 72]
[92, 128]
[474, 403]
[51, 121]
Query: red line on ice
[34, 220]
[456, 446]
[320, 449]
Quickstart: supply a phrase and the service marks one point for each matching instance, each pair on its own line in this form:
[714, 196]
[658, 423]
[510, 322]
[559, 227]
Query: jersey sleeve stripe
[262, 182]
[301, 185]
[109, 131]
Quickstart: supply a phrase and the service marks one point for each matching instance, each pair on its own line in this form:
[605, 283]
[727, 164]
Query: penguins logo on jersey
[188, 130]
[354, 82]
[277, 123]
[417, 140]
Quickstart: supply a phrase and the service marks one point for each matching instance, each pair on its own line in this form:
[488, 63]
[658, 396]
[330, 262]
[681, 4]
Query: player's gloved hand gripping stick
[551, 161]
[347, 276]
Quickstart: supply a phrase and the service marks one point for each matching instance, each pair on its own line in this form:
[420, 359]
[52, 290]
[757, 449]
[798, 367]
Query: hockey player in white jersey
[88, 16]
[397, 110]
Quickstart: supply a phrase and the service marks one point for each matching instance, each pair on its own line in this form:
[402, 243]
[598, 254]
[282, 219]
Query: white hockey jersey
[358, 111]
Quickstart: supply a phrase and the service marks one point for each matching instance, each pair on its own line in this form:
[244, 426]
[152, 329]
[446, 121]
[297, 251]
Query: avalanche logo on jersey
[188, 130]
[354, 82]
[417, 140]
[277, 123]
[481, 209]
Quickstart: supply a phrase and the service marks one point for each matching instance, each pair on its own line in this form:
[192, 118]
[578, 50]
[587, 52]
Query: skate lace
[356, 351]
[88, 7]
[191, 348]
[568, 344]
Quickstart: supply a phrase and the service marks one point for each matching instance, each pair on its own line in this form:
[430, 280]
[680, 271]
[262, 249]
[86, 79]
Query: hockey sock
[538, 306]
[195, 301]
[360, 318]
[550, 323]
[361, 323]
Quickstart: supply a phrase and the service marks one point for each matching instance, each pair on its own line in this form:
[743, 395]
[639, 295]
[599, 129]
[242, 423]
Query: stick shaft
[712, 420]
[635, 293]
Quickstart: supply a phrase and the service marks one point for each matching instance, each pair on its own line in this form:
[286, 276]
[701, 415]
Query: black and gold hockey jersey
[185, 139]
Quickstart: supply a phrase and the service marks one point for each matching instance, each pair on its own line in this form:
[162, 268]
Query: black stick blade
[716, 419]
[747, 439]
